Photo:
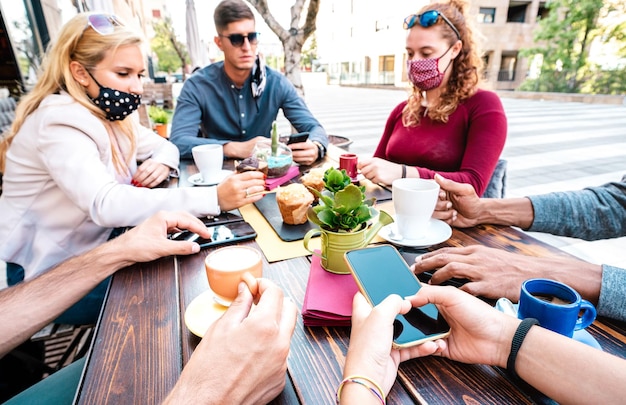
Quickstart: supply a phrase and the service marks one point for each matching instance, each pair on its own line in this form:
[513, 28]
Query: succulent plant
[343, 206]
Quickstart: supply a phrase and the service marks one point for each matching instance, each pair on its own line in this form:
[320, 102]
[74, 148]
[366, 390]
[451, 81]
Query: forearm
[510, 211]
[568, 371]
[31, 305]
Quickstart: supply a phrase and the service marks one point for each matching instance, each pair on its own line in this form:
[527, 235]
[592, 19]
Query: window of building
[508, 65]
[486, 58]
[542, 12]
[516, 12]
[486, 15]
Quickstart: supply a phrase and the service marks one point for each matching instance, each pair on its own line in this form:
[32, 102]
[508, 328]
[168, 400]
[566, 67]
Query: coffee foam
[232, 259]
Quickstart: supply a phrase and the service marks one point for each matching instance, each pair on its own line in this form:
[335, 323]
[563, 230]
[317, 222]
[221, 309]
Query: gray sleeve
[612, 302]
[591, 214]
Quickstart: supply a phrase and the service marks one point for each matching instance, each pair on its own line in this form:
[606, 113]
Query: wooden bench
[158, 94]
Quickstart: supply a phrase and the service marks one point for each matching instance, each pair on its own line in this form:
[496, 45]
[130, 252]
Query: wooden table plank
[136, 354]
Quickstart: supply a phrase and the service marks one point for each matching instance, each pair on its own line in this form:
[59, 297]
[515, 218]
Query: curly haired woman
[448, 125]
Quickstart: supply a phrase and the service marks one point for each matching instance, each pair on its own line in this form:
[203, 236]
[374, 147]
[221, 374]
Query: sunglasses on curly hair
[428, 19]
[237, 39]
[103, 24]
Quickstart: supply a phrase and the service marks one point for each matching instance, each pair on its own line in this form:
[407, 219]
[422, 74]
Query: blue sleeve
[591, 214]
[296, 111]
[187, 120]
[612, 301]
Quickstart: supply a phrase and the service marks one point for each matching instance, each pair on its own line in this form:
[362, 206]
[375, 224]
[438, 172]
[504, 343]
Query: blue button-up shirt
[211, 109]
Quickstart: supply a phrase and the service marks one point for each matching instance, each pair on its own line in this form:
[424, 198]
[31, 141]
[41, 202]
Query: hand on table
[379, 170]
[148, 241]
[150, 174]
[243, 355]
[304, 153]
[236, 190]
[241, 150]
[495, 273]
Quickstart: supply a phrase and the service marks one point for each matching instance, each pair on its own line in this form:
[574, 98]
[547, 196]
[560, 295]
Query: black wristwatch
[320, 149]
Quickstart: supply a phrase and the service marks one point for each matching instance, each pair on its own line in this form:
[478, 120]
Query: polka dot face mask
[116, 104]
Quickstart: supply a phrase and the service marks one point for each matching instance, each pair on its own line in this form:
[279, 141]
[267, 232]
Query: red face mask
[425, 74]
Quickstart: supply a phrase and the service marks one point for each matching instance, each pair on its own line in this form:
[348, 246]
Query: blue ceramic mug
[556, 306]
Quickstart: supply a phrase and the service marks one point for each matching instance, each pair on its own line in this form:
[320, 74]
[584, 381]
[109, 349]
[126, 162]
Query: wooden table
[141, 343]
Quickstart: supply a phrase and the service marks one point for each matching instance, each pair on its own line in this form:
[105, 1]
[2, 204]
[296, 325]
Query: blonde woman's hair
[78, 42]
[466, 67]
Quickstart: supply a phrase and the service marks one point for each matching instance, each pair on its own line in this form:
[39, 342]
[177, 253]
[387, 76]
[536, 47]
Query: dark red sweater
[465, 149]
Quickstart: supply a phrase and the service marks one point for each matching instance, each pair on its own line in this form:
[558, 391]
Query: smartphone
[223, 218]
[297, 138]
[380, 271]
[220, 234]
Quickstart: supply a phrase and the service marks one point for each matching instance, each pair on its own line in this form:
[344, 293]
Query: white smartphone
[380, 271]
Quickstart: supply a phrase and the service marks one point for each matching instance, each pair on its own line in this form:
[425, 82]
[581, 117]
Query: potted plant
[346, 218]
[277, 155]
[160, 118]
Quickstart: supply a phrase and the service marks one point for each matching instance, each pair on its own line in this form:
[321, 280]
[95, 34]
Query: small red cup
[348, 162]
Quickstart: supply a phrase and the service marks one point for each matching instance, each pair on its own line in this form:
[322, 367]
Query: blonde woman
[448, 125]
[70, 160]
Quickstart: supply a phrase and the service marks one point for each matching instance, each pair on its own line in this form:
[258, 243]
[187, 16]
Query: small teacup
[414, 201]
[555, 305]
[348, 162]
[227, 266]
[209, 159]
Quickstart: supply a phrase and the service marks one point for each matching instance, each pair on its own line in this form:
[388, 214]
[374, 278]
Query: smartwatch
[320, 149]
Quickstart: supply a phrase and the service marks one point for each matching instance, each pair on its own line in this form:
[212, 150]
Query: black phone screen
[381, 271]
[297, 138]
[220, 234]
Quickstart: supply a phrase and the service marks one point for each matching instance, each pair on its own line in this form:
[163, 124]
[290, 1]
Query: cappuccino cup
[555, 305]
[228, 266]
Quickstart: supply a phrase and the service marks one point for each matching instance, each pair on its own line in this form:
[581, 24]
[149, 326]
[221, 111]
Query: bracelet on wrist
[366, 382]
[518, 339]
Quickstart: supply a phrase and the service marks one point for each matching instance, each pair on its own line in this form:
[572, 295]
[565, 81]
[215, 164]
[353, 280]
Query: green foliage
[171, 53]
[158, 115]
[343, 207]
[565, 36]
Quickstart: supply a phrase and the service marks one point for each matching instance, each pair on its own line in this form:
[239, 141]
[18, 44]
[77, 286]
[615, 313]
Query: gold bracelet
[374, 388]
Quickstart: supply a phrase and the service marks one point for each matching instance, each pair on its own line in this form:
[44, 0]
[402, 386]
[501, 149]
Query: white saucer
[580, 335]
[197, 178]
[438, 231]
[202, 312]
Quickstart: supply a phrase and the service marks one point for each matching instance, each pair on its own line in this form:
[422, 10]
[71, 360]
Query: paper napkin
[328, 297]
[275, 182]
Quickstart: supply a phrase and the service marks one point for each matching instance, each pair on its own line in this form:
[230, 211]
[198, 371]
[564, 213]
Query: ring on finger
[247, 192]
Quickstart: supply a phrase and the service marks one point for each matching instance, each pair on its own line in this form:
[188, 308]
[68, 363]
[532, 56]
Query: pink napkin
[328, 297]
[275, 182]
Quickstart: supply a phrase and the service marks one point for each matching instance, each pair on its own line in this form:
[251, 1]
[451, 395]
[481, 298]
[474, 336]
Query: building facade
[362, 41]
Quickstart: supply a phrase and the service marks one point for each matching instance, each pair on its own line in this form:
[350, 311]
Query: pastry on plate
[314, 179]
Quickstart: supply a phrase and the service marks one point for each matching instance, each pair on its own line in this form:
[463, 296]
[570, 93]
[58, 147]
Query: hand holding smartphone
[380, 271]
[220, 234]
[297, 138]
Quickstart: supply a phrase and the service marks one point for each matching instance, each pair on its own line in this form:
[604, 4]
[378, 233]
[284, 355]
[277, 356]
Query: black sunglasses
[428, 19]
[237, 39]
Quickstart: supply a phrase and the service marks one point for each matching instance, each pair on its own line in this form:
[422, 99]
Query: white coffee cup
[209, 159]
[414, 201]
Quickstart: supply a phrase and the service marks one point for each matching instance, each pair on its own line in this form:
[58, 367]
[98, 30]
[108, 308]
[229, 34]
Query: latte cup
[414, 202]
[209, 159]
[228, 266]
[555, 305]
